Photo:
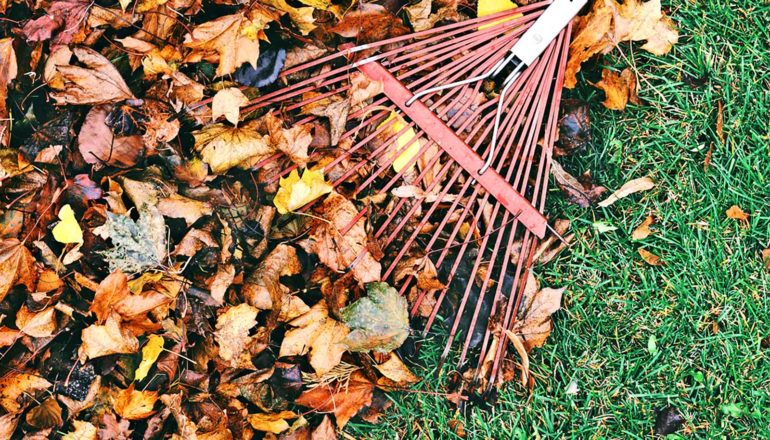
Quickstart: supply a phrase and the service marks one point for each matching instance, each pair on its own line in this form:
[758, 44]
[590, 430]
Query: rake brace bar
[458, 150]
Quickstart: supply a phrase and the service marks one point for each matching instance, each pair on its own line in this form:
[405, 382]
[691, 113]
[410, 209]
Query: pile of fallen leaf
[151, 284]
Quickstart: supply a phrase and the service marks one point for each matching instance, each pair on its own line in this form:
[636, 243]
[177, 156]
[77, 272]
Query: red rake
[488, 176]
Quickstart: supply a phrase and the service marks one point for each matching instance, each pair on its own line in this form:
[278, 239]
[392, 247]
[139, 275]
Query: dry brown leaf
[334, 108]
[619, 89]
[610, 23]
[534, 320]
[362, 88]
[368, 23]
[131, 404]
[8, 72]
[176, 206]
[628, 188]
[342, 399]
[97, 83]
[338, 252]
[324, 431]
[111, 291]
[736, 213]
[14, 384]
[99, 146]
[766, 257]
[17, 266]
[643, 230]
[263, 289]
[235, 38]
[38, 325]
[186, 428]
[275, 423]
[66, 18]
[650, 258]
[420, 16]
[320, 335]
[228, 102]
[8, 422]
[422, 269]
[232, 333]
[107, 339]
[293, 142]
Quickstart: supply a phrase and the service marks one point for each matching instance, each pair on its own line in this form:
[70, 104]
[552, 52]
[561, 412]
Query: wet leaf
[379, 321]
[295, 192]
[628, 188]
[67, 230]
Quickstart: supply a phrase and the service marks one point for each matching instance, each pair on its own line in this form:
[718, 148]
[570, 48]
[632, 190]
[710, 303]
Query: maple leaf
[610, 23]
[228, 102]
[534, 325]
[8, 72]
[234, 37]
[379, 321]
[342, 399]
[619, 89]
[320, 335]
[17, 266]
[232, 333]
[99, 82]
[131, 404]
[107, 339]
[295, 192]
[337, 251]
[223, 147]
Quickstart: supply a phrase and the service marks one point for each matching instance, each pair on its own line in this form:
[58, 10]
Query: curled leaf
[295, 192]
[98, 82]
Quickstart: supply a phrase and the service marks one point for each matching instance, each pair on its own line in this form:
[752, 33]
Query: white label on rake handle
[545, 29]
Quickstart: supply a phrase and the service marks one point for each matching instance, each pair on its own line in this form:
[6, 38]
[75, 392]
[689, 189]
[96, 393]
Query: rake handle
[447, 139]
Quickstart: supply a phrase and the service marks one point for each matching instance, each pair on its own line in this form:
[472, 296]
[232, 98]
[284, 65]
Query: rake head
[458, 174]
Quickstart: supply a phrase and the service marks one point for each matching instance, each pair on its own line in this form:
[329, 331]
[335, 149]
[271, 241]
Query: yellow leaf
[228, 102]
[67, 230]
[490, 7]
[150, 353]
[296, 192]
[83, 431]
[318, 4]
[403, 140]
[275, 423]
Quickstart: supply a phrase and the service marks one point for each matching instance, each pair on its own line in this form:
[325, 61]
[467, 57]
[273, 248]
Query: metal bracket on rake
[448, 140]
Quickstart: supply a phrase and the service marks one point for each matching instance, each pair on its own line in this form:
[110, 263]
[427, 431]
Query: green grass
[708, 308]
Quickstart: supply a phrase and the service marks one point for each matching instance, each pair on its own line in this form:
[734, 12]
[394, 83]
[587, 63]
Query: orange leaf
[643, 230]
[736, 213]
[135, 405]
[17, 266]
[342, 399]
[650, 258]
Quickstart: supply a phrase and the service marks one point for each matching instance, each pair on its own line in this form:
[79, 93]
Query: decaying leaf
[334, 108]
[100, 146]
[228, 102]
[232, 333]
[610, 23]
[262, 288]
[342, 399]
[135, 244]
[97, 83]
[766, 257]
[378, 321]
[339, 251]
[320, 335]
[619, 89]
[736, 213]
[132, 404]
[628, 188]
[46, 415]
[537, 305]
[643, 230]
[650, 258]
[295, 192]
[577, 193]
[421, 18]
[368, 23]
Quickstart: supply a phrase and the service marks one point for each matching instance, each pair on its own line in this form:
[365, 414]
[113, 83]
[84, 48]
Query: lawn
[635, 338]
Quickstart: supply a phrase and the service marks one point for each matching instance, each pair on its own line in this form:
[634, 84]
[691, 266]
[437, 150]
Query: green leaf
[379, 321]
[652, 345]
